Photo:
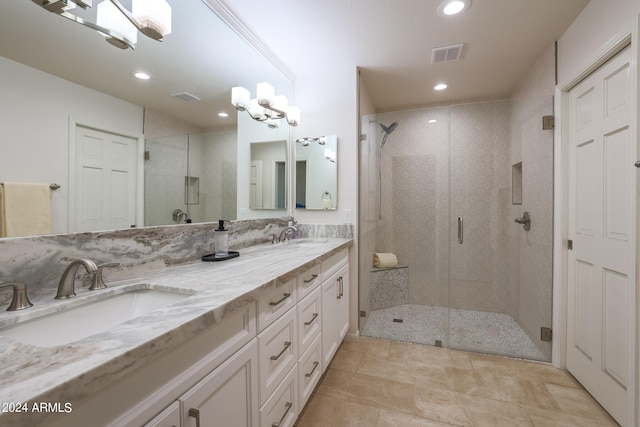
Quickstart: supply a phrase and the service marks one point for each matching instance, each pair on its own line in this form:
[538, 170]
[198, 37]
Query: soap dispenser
[221, 240]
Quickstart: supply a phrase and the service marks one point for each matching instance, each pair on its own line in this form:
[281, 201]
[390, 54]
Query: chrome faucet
[283, 233]
[20, 300]
[66, 287]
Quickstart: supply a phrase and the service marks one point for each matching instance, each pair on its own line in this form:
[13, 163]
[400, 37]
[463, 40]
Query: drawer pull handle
[315, 365]
[277, 423]
[312, 319]
[313, 277]
[194, 413]
[272, 303]
[287, 344]
[340, 287]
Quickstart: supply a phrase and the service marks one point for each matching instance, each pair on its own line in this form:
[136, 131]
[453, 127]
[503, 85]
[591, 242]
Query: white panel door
[255, 189]
[602, 215]
[105, 181]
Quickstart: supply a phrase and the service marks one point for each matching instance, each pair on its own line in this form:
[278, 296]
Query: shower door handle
[460, 230]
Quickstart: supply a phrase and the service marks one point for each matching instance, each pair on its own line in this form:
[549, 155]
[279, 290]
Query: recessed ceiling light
[223, 114]
[440, 86]
[432, 121]
[141, 75]
[453, 7]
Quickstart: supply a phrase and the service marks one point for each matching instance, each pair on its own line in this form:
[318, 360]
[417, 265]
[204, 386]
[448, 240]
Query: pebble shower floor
[470, 330]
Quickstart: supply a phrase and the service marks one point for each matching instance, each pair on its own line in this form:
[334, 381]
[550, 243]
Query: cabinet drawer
[309, 371]
[276, 353]
[309, 320]
[334, 262]
[281, 409]
[308, 281]
[275, 300]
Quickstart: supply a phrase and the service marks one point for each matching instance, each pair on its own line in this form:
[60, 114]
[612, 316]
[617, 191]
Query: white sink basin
[91, 318]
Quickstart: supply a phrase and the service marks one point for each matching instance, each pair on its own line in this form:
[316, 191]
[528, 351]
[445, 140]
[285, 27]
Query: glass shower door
[500, 273]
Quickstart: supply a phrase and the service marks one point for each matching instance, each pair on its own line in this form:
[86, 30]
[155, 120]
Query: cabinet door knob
[284, 297]
[637, 164]
[194, 413]
[287, 344]
[312, 319]
[277, 423]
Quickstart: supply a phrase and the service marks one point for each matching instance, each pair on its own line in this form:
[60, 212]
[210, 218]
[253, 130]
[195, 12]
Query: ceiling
[390, 40]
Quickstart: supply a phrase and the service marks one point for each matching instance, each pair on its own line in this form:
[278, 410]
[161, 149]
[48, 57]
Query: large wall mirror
[191, 165]
[316, 172]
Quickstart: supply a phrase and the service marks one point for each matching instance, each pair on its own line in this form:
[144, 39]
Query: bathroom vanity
[246, 345]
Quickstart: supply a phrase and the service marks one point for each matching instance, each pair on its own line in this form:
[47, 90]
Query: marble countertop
[69, 372]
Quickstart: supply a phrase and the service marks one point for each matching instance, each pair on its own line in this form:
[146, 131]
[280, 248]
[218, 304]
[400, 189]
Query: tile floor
[375, 382]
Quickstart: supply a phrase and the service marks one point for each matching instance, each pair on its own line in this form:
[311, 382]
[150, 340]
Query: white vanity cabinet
[335, 304]
[257, 366]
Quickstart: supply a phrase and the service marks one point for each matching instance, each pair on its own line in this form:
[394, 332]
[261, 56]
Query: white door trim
[73, 124]
[561, 181]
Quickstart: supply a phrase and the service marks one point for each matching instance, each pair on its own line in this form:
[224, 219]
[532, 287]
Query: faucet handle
[97, 282]
[20, 300]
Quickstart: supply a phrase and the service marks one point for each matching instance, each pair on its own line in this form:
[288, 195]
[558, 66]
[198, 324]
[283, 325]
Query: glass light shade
[293, 115]
[266, 93]
[240, 97]
[280, 103]
[256, 111]
[109, 17]
[153, 13]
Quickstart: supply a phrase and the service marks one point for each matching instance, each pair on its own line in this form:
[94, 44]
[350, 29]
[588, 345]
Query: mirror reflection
[268, 175]
[316, 172]
[63, 77]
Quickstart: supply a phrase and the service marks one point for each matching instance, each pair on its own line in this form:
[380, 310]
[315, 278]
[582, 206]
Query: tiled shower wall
[209, 156]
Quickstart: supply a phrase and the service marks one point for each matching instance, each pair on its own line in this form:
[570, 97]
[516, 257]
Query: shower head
[390, 128]
[387, 130]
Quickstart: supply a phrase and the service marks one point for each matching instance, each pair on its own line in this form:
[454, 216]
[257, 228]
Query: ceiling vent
[446, 53]
[186, 96]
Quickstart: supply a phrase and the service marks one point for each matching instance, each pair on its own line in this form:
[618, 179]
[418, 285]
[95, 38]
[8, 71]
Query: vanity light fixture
[453, 7]
[119, 26]
[266, 107]
[321, 140]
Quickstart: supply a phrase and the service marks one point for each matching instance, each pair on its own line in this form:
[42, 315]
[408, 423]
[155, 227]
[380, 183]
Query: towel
[25, 209]
[384, 260]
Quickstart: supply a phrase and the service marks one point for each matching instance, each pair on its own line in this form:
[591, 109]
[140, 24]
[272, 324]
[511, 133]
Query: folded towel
[25, 209]
[384, 260]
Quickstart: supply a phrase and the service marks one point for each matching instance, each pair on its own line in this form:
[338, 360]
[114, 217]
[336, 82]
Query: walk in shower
[443, 195]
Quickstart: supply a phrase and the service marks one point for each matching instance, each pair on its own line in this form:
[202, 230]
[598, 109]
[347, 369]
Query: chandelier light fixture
[119, 25]
[267, 107]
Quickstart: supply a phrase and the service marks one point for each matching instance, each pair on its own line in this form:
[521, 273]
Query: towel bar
[52, 186]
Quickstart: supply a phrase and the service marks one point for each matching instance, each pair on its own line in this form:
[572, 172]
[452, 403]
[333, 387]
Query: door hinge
[570, 245]
[147, 155]
[545, 334]
[548, 122]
